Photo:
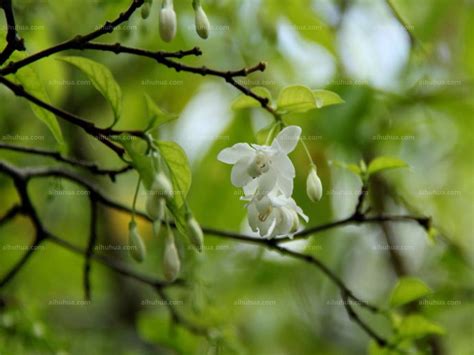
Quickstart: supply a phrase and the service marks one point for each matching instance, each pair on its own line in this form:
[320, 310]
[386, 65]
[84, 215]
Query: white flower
[268, 165]
[314, 188]
[274, 215]
[168, 21]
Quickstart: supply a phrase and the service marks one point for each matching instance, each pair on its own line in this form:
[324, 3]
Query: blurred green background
[403, 99]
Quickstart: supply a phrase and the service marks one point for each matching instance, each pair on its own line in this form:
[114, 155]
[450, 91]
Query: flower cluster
[160, 194]
[168, 21]
[266, 175]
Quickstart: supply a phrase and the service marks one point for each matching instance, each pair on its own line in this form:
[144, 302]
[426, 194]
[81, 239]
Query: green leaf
[325, 98]
[156, 115]
[385, 163]
[407, 290]
[180, 172]
[267, 134]
[415, 326]
[244, 101]
[102, 79]
[296, 99]
[353, 168]
[141, 162]
[32, 84]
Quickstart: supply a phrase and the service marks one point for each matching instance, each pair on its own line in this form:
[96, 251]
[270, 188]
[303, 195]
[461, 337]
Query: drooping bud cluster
[168, 23]
[160, 205]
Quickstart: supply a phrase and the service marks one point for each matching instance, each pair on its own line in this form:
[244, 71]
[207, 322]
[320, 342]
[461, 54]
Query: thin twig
[90, 249]
[93, 168]
[14, 41]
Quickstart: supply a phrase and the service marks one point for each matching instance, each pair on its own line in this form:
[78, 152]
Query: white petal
[251, 187]
[287, 139]
[252, 216]
[283, 165]
[233, 154]
[266, 182]
[266, 227]
[285, 185]
[239, 175]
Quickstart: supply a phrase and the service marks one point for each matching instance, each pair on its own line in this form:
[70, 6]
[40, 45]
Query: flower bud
[155, 206]
[314, 188]
[195, 234]
[145, 11]
[171, 263]
[202, 22]
[162, 186]
[137, 247]
[168, 21]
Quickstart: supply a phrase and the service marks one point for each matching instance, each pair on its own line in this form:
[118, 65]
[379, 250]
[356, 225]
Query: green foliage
[142, 162]
[244, 101]
[324, 98]
[408, 289]
[156, 115]
[416, 326]
[300, 99]
[102, 79]
[31, 82]
[178, 165]
[385, 163]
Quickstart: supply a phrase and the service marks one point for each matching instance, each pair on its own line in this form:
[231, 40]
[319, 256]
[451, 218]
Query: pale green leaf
[245, 101]
[296, 99]
[102, 79]
[156, 115]
[353, 168]
[415, 326]
[180, 172]
[325, 98]
[32, 84]
[140, 161]
[408, 289]
[385, 163]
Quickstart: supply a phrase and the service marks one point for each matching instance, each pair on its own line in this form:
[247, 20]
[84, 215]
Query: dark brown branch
[108, 27]
[10, 214]
[93, 168]
[14, 41]
[163, 58]
[90, 249]
[355, 318]
[101, 134]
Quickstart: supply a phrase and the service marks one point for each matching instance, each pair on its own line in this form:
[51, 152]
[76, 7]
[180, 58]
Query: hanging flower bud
[145, 12]
[162, 186]
[202, 22]
[195, 234]
[314, 188]
[155, 206]
[137, 247]
[171, 263]
[168, 21]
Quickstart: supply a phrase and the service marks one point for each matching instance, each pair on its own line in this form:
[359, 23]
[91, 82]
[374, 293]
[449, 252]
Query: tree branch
[10, 214]
[14, 41]
[90, 249]
[108, 27]
[93, 168]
